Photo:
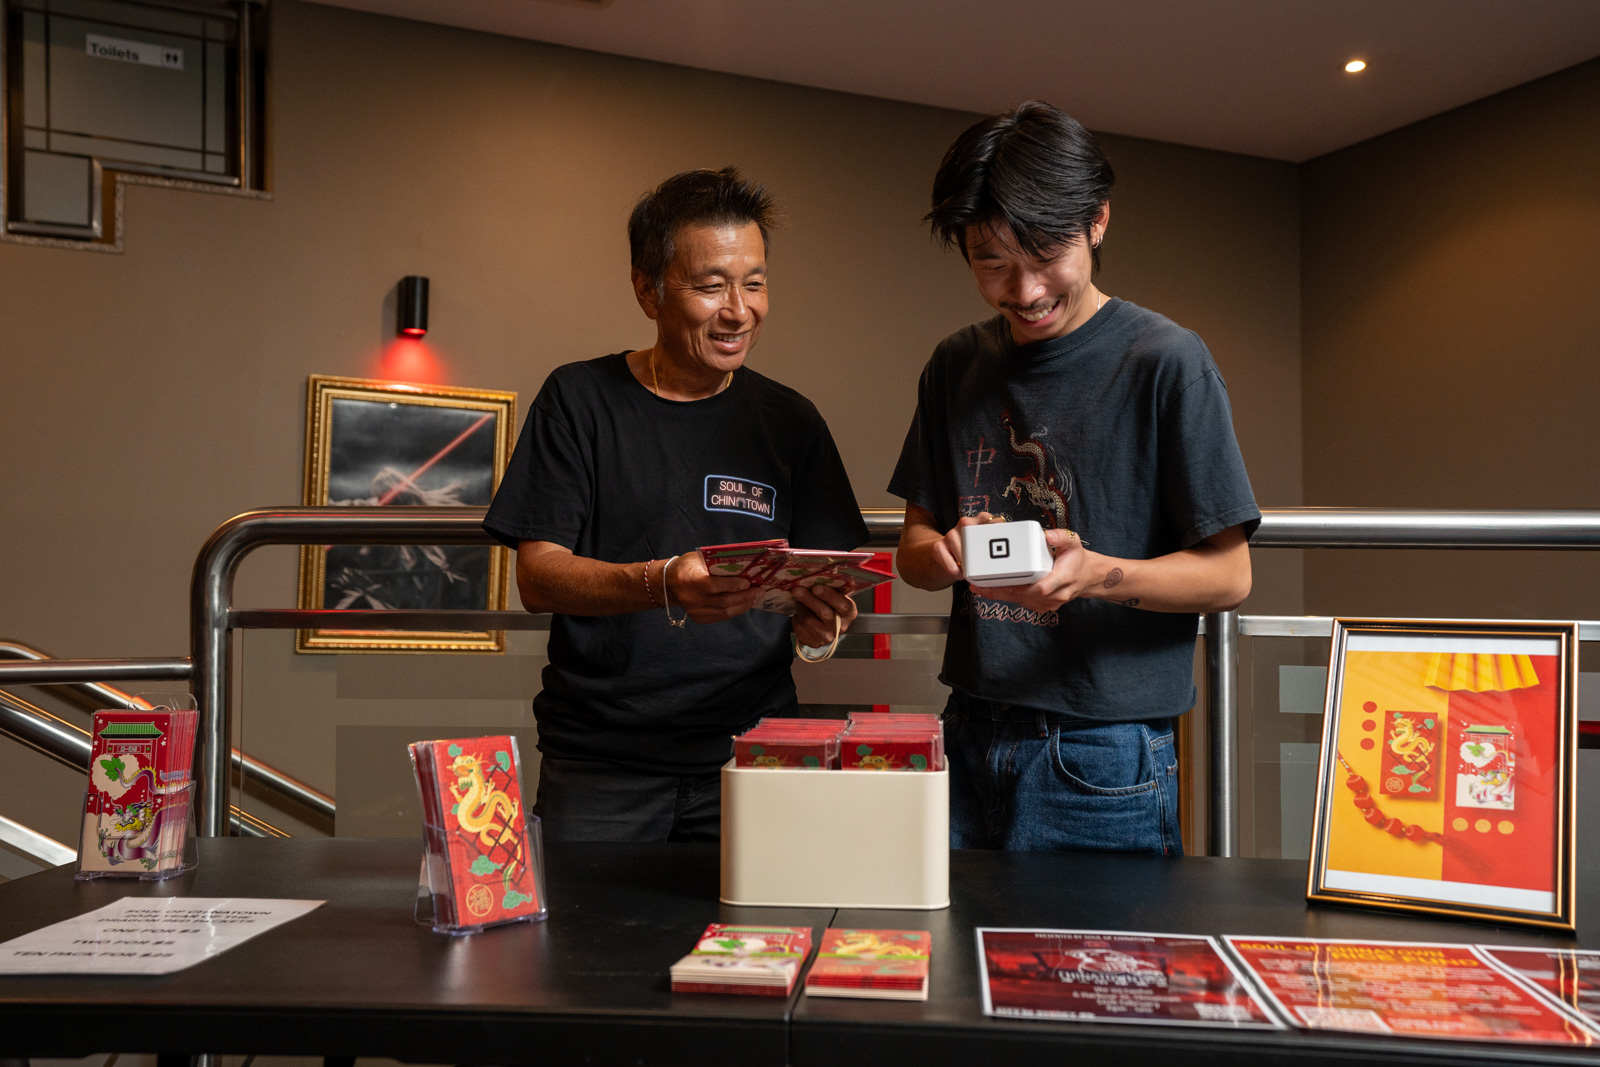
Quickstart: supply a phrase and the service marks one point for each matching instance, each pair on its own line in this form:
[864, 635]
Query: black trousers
[587, 800]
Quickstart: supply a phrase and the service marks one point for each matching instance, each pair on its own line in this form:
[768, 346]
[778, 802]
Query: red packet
[798, 564]
[731, 561]
[797, 744]
[136, 807]
[887, 964]
[1486, 768]
[1410, 755]
[743, 960]
[779, 570]
[885, 742]
[484, 865]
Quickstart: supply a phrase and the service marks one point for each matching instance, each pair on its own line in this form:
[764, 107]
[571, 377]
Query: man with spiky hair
[1110, 425]
[625, 465]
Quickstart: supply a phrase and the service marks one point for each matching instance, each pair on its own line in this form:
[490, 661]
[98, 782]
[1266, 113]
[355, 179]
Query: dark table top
[359, 976]
[1151, 895]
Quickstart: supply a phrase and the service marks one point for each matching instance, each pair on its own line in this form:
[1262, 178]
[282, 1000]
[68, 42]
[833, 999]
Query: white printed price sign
[147, 935]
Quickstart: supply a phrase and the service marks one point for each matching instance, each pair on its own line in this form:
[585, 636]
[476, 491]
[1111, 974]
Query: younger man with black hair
[1110, 425]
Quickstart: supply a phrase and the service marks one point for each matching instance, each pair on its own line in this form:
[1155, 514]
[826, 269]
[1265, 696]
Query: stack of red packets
[136, 809]
[761, 961]
[868, 741]
[889, 741]
[484, 858]
[881, 964]
[778, 570]
[796, 744]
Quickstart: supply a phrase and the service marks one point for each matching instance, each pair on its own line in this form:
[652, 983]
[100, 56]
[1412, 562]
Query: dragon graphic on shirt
[1045, 487]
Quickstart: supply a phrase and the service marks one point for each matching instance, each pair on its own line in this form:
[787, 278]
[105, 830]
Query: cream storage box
[835, 838]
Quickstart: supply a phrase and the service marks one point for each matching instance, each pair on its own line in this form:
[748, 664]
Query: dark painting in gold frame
[1446, 783]
[377, 443]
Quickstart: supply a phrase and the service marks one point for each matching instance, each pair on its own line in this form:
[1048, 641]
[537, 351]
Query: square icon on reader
[999, 547]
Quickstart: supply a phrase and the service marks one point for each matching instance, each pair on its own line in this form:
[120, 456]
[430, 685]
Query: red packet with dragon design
[1410, 755]
[485, 865]
[136, 808]
[883, 964]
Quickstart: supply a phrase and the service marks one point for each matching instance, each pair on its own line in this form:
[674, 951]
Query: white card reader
[1004, 553]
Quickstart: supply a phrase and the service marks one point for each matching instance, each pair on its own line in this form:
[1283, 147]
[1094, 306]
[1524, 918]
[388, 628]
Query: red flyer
[1412, 989]
[1566, 976]
[1114, 976]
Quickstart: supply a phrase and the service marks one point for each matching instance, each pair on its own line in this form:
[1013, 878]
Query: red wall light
[412, 306]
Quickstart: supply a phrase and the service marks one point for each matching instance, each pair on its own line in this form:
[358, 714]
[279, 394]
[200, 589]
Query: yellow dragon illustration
[1407, 743]
[479, 802]
[868, 945]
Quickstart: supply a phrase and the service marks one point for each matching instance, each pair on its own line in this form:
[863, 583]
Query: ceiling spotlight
[1355, 66]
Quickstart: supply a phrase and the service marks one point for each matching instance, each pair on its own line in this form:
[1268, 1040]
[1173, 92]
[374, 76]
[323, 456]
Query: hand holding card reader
[1004, 553]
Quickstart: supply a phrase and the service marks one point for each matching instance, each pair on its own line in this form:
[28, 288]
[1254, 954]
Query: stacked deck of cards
[883, 964]
[483, 855]
[761, 961]
[136, 808]
[778, 570]
[798, 744]
[888, 741]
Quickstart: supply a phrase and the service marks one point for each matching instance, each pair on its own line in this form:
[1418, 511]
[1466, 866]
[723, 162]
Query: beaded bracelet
[651, 593]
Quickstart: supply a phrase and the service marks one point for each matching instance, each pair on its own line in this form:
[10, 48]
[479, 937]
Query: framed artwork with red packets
[1449, 749]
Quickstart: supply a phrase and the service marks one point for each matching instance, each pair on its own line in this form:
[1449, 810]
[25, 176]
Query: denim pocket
[1114, 760]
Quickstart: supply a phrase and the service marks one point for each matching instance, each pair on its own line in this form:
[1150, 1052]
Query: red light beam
[443, 452]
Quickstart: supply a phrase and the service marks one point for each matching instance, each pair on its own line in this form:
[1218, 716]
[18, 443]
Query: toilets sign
[141, 52]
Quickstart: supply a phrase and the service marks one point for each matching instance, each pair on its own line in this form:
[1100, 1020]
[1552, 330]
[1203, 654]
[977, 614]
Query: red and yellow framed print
[1449, 749]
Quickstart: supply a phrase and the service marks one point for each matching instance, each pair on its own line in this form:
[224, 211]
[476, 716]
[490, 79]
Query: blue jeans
[1032, 781]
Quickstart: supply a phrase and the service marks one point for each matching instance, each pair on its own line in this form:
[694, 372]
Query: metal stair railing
[214, 618]
[31, 842]
[69, 744]
[77, 677]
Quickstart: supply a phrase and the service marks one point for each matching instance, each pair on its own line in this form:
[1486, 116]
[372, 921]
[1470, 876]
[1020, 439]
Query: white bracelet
[666, 596]
[800, 650]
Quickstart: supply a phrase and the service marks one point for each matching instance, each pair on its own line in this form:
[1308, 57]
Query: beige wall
[149, 395]
[1449, 283]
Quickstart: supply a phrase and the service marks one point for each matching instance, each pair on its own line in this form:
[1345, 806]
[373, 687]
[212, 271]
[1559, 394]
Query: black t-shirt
[1121, 431]
[613, 472]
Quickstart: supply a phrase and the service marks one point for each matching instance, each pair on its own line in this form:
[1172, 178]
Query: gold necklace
[655, 386]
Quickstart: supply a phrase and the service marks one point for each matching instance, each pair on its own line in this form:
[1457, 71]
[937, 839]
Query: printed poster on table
[1114, 976]
[1447, 763]
[1410, 989]
[1567, 976]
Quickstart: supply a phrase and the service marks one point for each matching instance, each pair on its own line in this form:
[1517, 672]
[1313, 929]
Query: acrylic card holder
[138, 807]
[483, 859]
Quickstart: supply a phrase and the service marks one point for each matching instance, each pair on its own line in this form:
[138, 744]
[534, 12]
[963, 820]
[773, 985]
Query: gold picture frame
[1445, 786]
[382, 443]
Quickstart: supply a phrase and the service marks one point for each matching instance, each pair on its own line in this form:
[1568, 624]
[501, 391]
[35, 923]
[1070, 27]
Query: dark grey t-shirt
[1121, 431]
[613, 472]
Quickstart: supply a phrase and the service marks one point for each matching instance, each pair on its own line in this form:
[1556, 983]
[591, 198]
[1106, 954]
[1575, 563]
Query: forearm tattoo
[1113, 578]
